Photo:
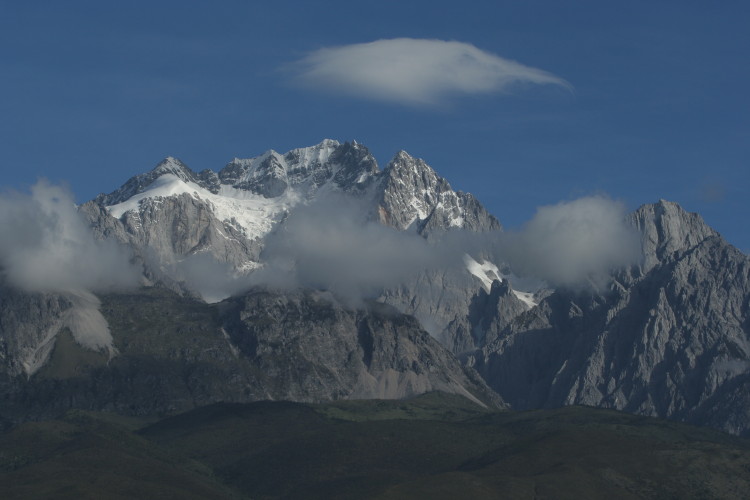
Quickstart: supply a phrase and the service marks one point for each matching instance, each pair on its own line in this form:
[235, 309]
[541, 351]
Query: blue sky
[643, 100]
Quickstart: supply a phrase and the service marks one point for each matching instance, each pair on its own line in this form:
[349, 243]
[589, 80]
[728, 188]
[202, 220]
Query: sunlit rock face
[669, 338]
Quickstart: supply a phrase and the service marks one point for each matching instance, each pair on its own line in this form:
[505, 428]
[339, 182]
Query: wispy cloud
[415, 71]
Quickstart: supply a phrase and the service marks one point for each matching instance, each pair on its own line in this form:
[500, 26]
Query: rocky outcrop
[455, 308]
[164, 212]
[413, 197]
[162, 232]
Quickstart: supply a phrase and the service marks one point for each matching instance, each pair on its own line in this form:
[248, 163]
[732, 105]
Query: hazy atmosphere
[523, 104]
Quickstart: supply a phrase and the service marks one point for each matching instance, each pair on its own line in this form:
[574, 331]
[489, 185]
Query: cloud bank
[415, 71]
[45, 245]
[332, 245]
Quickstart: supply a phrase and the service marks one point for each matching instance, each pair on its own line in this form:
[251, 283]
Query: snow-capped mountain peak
[230, 212]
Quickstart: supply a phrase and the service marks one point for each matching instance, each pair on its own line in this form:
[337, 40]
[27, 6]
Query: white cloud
[45, 245]
[573, 243]
[415, 71]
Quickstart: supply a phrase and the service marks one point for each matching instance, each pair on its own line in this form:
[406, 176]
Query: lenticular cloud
[414, 71]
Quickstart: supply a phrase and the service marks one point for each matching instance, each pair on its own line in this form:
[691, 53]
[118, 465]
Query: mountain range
[316, 276]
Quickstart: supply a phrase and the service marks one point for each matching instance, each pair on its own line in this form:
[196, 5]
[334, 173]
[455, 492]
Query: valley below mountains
[434, 446]
[316, 276]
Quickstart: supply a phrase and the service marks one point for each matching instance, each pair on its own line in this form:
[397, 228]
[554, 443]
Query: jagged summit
[407, 193]
[428, 199]
[271, 173]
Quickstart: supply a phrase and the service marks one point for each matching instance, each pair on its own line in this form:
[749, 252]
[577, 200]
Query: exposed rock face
[175, 353]
[171, 213]
[455, 308]
[490, 313]
[163, 231]
[141, 182]
[304, 170]
[414, 197]
[671, 338]
[665, 229]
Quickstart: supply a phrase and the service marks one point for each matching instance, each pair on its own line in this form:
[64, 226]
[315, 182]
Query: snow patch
[35, 358]
[487, 272]
[253, 213]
